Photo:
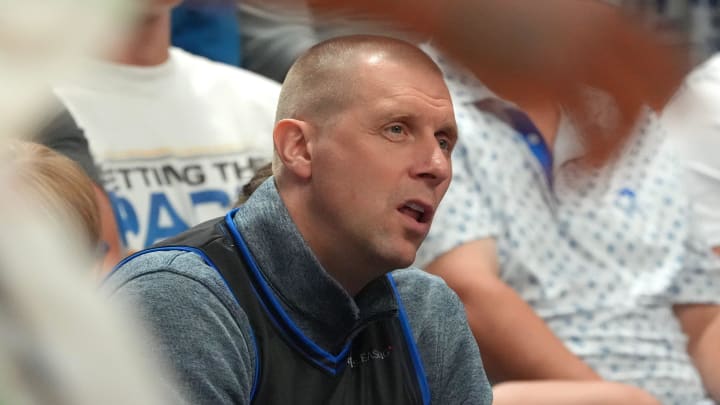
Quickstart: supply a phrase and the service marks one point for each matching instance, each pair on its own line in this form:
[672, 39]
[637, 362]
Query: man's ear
[291, 145]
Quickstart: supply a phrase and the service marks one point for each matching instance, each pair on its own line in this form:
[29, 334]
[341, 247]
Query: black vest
[379, 363]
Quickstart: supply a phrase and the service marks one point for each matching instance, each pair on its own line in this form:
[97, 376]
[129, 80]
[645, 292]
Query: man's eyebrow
[450, 129]
[449, 126]
[395, 116]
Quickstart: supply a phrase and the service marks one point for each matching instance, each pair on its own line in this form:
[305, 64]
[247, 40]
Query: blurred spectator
[274, 35]
[692, 120]
[569, 271]
[175, 135]
[62, 135]
[208, 28]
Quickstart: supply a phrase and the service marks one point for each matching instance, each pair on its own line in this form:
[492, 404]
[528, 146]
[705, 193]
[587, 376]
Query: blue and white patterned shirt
[601, 257]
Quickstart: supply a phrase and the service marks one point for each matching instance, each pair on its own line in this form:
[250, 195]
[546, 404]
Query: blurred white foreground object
[43, 41]
[60, 342]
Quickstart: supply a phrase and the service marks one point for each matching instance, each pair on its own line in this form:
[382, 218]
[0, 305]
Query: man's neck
[149, 43]
[351, 274]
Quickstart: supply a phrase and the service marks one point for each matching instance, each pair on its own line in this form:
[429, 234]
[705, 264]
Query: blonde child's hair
[58, 184]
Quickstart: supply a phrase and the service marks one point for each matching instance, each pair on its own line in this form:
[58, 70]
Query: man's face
[381, 166]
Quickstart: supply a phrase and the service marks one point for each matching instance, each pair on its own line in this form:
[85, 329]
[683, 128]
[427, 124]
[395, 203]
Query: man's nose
[434, 164]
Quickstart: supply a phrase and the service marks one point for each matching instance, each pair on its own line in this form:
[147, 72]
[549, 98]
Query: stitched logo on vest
[362, 358]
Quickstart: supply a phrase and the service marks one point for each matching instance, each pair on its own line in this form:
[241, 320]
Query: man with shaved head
[294, 297]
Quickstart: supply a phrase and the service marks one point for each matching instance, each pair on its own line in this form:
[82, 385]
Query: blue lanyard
[531, 135]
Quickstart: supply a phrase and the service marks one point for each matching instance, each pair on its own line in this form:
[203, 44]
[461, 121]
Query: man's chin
[404, 260]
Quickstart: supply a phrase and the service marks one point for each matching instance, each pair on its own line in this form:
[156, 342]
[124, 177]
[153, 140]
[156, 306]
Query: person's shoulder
[193, 319]
[416, 286]
[222, 72]
[415, 276]
[174, 267]
[430, 305]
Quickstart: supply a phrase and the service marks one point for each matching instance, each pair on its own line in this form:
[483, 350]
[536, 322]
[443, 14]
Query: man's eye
[396, 132]
[444, 144]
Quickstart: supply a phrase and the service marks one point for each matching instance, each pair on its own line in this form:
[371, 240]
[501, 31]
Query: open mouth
[419, 211]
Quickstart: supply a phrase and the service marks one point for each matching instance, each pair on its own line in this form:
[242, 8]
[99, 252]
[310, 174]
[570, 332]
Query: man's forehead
[411, 107]
[372, 77]
[401, 81]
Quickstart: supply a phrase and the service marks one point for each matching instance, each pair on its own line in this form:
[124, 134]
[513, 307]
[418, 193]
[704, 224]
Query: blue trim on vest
[206, 260]
[417, 362]
[289, 339]
[294, 332]
[256, 379]
[161, 249]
